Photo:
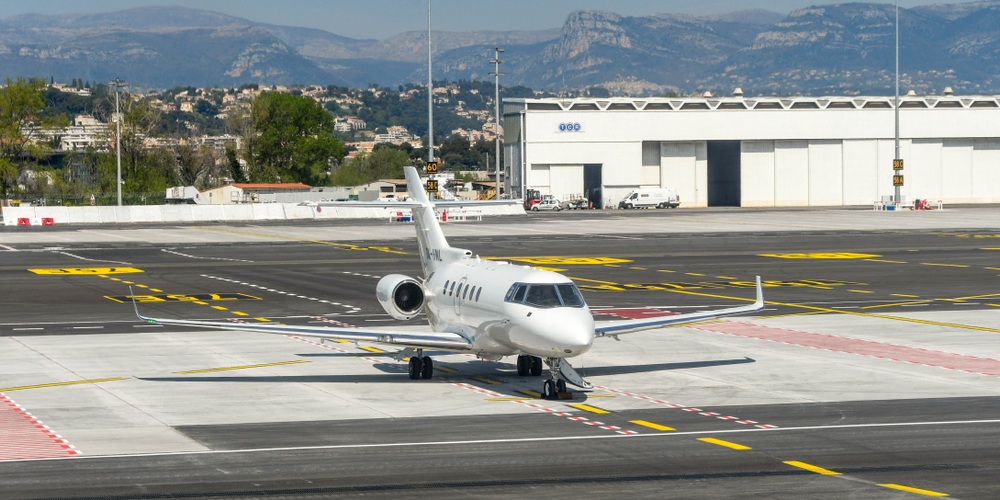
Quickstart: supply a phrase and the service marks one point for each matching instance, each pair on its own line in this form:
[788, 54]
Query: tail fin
[434, 248]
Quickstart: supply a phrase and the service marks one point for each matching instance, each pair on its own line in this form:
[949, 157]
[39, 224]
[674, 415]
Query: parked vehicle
[547, 204]
[651, 197]
[575, 202]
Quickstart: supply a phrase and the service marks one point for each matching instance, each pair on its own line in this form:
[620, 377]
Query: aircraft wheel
[536, 366]
[548, 390]
[427, 370]
[523, 365]
[560, 385]
[415, 367]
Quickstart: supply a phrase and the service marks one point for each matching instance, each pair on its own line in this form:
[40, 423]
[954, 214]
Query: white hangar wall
[756, 152]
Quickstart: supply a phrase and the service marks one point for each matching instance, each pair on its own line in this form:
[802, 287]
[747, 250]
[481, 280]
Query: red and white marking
[689, 409]
[22, 436]
[634, 312]
[869, 348]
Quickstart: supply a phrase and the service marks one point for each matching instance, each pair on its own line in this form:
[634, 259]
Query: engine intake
[401, 296]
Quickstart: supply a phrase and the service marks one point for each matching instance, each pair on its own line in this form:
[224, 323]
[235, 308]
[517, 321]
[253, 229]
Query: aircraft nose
[572, 336]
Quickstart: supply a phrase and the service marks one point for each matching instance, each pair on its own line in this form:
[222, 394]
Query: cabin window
[478, 291]
[445, 290]
[465, 291]
[516, 293]
[451, 291]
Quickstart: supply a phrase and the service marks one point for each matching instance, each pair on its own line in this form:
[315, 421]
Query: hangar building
[755, 152]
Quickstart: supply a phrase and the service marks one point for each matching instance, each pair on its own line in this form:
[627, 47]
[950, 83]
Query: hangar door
[724, 173]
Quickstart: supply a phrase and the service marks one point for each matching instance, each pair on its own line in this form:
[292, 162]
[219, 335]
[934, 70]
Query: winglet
[759, 304]
[136, 307]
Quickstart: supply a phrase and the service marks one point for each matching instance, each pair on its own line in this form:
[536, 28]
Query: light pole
[496, 130]
[897, 163]
[118, 84]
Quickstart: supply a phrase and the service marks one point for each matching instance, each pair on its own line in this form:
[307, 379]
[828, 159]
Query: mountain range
[841, 49]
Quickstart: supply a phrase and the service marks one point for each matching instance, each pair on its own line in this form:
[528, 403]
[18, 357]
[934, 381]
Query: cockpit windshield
[545, 295]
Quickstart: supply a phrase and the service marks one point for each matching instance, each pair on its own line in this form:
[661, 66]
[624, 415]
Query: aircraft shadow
[395, 372]
[598, 371]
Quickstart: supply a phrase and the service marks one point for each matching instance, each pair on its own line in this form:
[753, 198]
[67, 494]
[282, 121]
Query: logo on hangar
[570, 127]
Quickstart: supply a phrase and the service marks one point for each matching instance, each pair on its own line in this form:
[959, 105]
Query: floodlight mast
[430, 91]
[895, 172]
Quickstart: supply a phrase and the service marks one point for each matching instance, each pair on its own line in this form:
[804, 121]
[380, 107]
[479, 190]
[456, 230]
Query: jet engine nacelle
[401, 296]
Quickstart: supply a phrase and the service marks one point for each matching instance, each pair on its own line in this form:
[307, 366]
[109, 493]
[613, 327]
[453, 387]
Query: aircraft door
[460, 290]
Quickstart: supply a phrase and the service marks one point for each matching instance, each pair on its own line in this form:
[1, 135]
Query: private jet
[488, 308]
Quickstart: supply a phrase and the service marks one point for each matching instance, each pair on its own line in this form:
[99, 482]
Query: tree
[21, 105]
[293, 140]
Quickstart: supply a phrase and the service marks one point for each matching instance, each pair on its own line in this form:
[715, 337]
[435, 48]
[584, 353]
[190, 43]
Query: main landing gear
[421, 367]
[532, 365]
[529, 365]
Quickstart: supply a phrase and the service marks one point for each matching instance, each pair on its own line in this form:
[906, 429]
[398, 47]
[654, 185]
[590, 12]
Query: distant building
[756, 151]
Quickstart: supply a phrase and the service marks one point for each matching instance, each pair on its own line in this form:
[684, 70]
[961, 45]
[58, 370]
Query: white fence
[33, 216]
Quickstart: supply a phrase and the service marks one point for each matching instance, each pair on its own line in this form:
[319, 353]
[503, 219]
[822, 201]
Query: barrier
[48, 221]
[23, 221]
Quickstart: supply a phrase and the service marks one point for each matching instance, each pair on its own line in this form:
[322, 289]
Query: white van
[651, 197]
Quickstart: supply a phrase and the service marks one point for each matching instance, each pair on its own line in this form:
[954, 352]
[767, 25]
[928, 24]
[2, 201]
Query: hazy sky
[384, 18]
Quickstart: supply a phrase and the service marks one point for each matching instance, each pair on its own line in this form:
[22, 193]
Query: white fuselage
[470, 297]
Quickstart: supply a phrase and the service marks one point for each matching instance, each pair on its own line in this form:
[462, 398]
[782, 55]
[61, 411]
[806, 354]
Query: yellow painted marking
[220, 308]
[905, 296]
[155, 290]
[533, 394]
[115, 279]
[445, 369]
[371, 349]
[910, 489]
[568, 261]
[553, 269]
[943, 265]
[141, 286]
[897, 304]
[861, 291]
[726, 277]
[637, 268]
[821, 255]
[694, 274]
[243, 367]
[200, 303]
[957, 301]
[339, 341]
[665, 271]
[487, 380]
[506, 399]
[887, 261]
[727, 444]
[263, 320]
[114, 299]
[318, 242]
[59, 384]
[591, 409]
[102, 276]
[574, 278]
[812, 468]
[989, 248]
[992, 268]
[127, 282]
[651, 425]
[238, 313]
[92, 271]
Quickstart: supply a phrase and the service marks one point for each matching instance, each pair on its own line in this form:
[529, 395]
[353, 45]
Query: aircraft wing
[419, 340]
[613, 328]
